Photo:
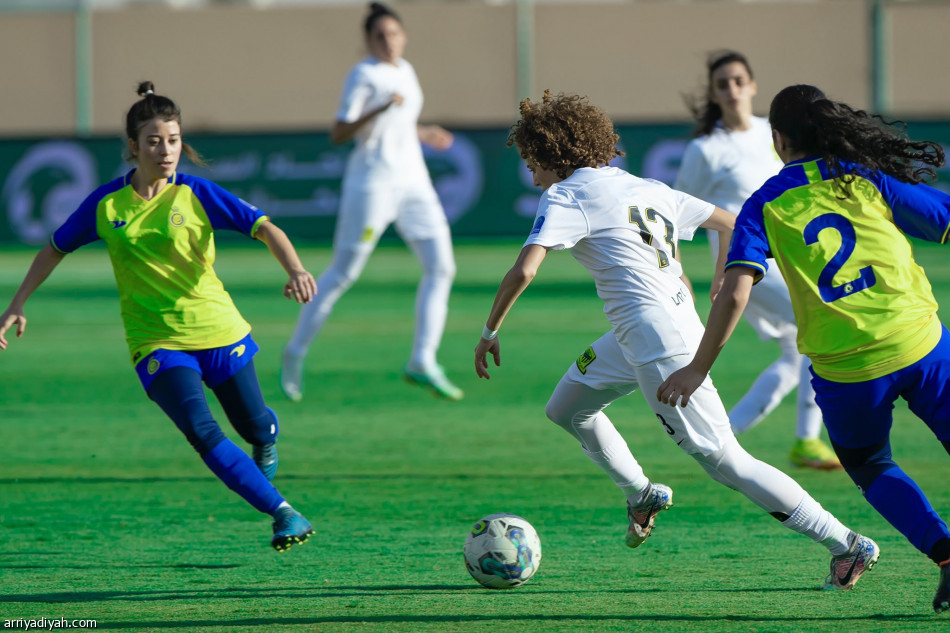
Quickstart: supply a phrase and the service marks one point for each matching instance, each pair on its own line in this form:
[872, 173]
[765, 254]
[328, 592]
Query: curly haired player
[625, 231]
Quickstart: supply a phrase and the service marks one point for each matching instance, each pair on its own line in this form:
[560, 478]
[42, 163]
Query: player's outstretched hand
[7, 320]
[301, 288]
[680, 386]
[482, 350]
[436, 137]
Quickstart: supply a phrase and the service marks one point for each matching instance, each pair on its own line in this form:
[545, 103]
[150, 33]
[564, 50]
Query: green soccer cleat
[847, 568]
[659, 498]
[814, 453]
[435, 381]
[266, 459]
[290, 528]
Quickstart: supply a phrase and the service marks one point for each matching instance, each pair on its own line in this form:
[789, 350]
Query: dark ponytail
[152, 106]
[814, 124]
[377, 10]
[704, 111]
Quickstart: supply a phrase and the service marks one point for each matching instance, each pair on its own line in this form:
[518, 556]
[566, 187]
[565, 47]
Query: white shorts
[366, 211]
[769, 310]
[701, 427]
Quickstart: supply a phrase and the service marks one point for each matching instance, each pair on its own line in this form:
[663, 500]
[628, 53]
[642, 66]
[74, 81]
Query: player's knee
[865, 464]
[729, 465]
[344, 271]
[262, 428]
[202, 433]
[558, 412]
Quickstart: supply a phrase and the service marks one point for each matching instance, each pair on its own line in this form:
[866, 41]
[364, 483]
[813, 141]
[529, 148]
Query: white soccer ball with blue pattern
[502, 551]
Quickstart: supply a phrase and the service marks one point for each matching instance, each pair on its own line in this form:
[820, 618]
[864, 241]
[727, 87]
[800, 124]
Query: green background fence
[295, 178]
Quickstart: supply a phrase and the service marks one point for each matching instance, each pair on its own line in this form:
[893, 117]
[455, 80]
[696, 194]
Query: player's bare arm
[301, 287]
[725, 314]
[43, 264]
[513, 284]
[342, 131]
[723, 223]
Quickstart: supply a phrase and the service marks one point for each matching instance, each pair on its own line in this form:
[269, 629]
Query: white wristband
[489, 335]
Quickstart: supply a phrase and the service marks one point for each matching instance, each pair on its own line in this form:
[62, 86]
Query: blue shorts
[213, 365]
[860, 414]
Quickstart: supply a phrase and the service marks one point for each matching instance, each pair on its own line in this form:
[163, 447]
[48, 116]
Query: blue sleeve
[919, 211]
[750, 245]
[79, 228]
[224, 209]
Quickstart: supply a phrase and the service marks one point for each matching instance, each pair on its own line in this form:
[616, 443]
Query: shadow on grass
[532, 618]
[388, 476]
[325, 591]
[120, 566]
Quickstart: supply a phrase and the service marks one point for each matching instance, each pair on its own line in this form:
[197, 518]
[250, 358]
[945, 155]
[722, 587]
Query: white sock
[819, 525]
[432, 298]
[808, 422]
[622, 467]
[768, 390]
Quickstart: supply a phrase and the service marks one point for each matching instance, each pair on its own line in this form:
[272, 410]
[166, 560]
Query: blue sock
[899, 500]
[239, 473]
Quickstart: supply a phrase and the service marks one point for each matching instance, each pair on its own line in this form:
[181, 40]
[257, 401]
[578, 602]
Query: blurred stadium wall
[259, 82]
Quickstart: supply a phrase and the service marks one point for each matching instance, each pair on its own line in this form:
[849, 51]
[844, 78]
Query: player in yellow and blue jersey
[181, 325]
[837, 220]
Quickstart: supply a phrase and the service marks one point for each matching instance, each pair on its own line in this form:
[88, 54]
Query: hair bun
[146, 88]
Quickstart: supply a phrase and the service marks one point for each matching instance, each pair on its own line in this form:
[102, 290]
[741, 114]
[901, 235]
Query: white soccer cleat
[641, 515]
[847, 568]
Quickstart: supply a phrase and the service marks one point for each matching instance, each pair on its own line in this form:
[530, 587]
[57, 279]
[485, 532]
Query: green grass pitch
[106, 513]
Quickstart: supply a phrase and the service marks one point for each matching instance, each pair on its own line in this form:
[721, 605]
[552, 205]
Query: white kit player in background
[624, 230]
[730, 158]
[386, 181]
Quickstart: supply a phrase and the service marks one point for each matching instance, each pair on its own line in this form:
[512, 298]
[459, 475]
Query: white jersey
[725, 167]
[387, 147]
[624, 230]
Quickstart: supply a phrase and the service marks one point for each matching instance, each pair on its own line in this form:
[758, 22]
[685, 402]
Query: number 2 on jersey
[829, 291]
[647, 236]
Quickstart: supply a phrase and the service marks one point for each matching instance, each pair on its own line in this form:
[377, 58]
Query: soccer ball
[502, 551]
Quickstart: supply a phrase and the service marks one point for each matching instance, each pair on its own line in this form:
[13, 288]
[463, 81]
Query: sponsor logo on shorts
[239, 350]
[367, 234]
[586, 359]
[153, 366]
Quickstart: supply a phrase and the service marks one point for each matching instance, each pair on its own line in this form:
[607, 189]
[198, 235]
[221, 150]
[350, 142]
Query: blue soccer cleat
[266, 459]
[290, 528]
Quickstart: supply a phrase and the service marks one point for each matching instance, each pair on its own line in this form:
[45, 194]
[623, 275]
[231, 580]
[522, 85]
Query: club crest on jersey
[175, 218]
[153, 366]
[585, 359]
[537, 225]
